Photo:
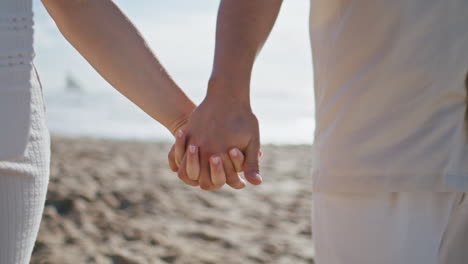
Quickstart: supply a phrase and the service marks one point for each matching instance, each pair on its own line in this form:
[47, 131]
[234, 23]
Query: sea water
[284, 119]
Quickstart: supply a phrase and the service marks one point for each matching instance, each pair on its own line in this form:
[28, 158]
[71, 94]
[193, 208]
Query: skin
[176, 156]
[105, 37]
[224, 119]
[192, 160]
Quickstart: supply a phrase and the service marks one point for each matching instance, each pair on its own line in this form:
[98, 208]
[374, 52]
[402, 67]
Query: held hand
[217, 126]
[179, 152]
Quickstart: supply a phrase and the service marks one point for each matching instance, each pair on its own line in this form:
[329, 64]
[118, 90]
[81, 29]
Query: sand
[117, 202]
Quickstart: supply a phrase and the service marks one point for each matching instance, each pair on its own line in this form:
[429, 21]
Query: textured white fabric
[24, 138]
[16, 32]
[16, 56]
[388, 228]
[23, 185]
[390, 94]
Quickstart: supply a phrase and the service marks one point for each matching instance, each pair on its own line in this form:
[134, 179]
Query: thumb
[179, 146]
[251, 166]
[171, 159]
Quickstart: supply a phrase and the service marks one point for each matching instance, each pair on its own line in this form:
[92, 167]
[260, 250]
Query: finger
[171, 159]
[237, 158]
[182, 174]
[251, 166]
[204, 178]
[232, 177]
[180, 146]
[218, 176]
[193, 163]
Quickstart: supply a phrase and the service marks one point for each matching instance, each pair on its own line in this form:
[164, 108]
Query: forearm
[242, 28]
[114, 47]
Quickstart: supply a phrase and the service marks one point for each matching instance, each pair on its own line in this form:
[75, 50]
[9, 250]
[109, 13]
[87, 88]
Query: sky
[181, 33]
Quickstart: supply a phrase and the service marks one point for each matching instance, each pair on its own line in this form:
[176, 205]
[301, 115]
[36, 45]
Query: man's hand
[217, 127]
[179, 152]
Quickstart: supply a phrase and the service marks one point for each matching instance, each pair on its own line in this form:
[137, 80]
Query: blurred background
[181, 32]
[112, 198]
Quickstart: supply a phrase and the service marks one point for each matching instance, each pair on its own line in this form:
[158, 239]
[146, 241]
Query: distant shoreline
[149, 140]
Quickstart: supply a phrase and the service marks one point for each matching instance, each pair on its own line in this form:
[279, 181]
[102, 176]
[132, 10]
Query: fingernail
[242, 184]
[234, 152]
[192, 149]
[179, 133]
[258, 177]
[215, 160]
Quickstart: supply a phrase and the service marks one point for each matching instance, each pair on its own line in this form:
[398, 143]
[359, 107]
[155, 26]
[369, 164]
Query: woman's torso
[16, 76]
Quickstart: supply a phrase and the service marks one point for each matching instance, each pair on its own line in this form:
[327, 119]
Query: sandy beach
[116, 202]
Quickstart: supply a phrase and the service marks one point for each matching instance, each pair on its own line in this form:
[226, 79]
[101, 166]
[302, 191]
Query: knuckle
[218, 182]
[180, 177]
[192, 183]
[236, 184]
[205, 186]
[181, 174]
[188, 181]
[216, 188]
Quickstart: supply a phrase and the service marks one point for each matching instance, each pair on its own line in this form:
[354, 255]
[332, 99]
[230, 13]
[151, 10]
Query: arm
[116, 50]
[224, 119]
[242, 29]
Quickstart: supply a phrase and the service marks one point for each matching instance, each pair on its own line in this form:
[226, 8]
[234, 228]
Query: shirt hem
[395, 182]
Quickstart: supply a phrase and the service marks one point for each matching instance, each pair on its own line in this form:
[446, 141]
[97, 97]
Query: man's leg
[384, 228]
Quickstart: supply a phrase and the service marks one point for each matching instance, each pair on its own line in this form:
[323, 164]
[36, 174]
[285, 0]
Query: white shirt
[390, 94]
[16, 56]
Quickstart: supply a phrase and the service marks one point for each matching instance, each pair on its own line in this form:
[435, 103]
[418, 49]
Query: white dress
[24, 138]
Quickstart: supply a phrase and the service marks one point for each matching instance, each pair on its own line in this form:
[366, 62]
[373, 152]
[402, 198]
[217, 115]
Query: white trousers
[389, 228]
[23, 185]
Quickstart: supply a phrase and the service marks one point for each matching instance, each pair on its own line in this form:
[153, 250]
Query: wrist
[180, 116]
[229, 89]
[178, 124]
